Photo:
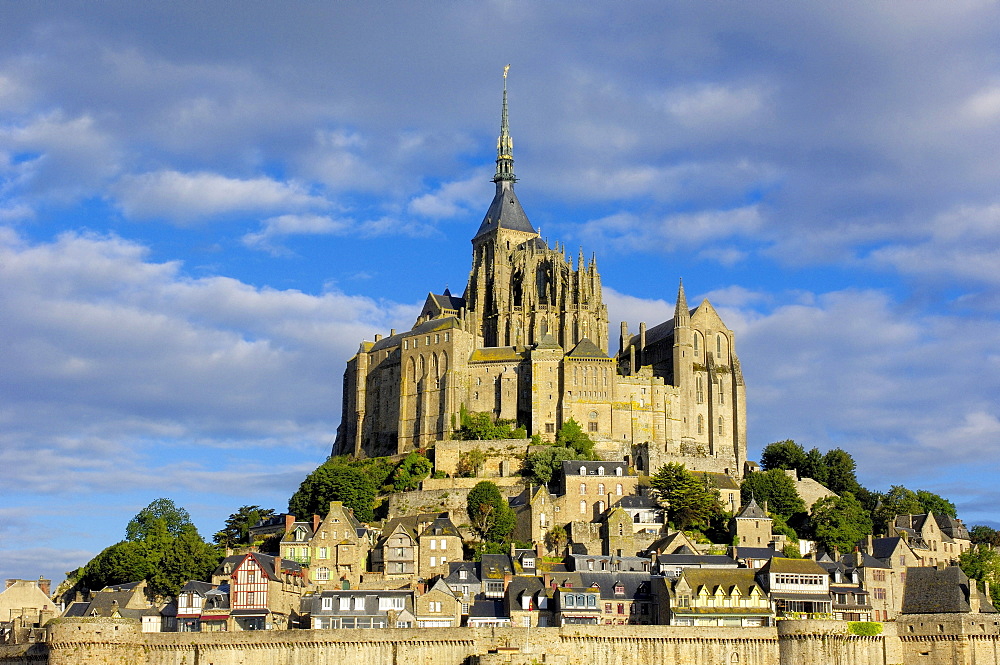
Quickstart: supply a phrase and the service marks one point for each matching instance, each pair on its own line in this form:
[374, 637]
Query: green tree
[982, 534]
[127, 561]
[982, 563]
[489, 512]
[782, 455]
[476, 426]
[470, 462]
[332, 481]
[556, 538]
[689, 500]
[542, 465]
[934, 503]
[165, 510]
[236, 530]
[813, 466]
[840, 468]
[897, 501]
[777, 489]
[839, 522]
[187, 557]
[407, 476]
[571, 435]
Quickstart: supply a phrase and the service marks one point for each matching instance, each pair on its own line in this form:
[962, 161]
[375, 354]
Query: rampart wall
[925, 639]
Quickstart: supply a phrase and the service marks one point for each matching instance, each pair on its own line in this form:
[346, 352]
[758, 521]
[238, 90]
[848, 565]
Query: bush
[864, 628]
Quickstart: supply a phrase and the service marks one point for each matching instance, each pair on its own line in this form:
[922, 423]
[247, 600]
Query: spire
[682, 315]
[505, 145]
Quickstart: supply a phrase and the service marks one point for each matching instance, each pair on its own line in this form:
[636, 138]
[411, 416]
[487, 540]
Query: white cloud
[630, 232]
[983, 105]
[713, 105]
[106, 356]
[187, 197]
[451, 199]
[283, 226]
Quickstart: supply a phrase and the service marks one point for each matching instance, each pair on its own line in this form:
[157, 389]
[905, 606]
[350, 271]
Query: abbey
[528, 341]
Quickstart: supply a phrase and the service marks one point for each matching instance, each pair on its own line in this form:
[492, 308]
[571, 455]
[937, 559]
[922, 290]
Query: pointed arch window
[701, 424]
[699, 389]
[696, 344]
[722, 425]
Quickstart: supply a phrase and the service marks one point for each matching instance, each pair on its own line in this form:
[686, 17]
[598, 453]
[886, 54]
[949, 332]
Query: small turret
[682, 315]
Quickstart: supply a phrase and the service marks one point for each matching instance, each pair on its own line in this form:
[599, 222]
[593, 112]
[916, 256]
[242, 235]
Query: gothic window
[696, 344]
[576, 376]
[718, 345]
[701, 424]
[722, 393]
[722, 427]
[699, 389]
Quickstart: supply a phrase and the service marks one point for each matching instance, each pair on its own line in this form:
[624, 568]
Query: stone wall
[925, 639]
[446, 495]
[503, 456]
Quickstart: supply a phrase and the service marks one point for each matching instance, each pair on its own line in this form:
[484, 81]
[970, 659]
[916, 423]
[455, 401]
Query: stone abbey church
[528, 341]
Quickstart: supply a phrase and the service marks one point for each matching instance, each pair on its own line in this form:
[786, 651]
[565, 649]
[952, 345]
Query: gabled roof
[587, 350]
[637, 502]
[799, 566]
[199, 588]
[409, 525]
[752, 511]
[884, 548]
[442, 526]
[264, 561]
[940, 590]
[743, 579]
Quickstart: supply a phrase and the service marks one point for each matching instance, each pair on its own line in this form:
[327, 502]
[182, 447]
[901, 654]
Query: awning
[251, 613]
[215, 617]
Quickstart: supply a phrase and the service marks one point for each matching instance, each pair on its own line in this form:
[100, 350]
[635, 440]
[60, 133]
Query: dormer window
[618, 471]
[619, 589]
[583, 470]
[600, 470]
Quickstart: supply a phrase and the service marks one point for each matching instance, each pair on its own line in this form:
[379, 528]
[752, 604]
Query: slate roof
[434, 325]
[410, 524]
[495, 566]
[442, 526]
[547, 341]
[589, 350]
[752, 511]
[634, 584]
[799, 566]
[637, 501]
[505, 212]
[488, 608]
[265, 561]
[756, 553]
[722, 481]
[446, 300]
[454, 579]
[696, 561]
[939, 590]
[883, 548]
[369, 605]
[619, 563]
[200, 588]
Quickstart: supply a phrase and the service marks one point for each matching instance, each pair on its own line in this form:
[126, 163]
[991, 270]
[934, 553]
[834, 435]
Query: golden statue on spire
[505, 71]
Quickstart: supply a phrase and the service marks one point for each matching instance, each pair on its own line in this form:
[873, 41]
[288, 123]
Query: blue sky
[204, 208]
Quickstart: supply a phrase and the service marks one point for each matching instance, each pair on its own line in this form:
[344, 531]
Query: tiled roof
[587, 349]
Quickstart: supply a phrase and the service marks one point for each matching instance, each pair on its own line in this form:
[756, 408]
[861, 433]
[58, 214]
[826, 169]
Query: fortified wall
[928, 639]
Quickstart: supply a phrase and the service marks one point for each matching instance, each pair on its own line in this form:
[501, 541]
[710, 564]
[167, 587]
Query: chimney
[642, 343]
[45, 585]
[974, 605]
[316, 521]
[539, 549]
[857, 557]
[378, 337]
[289, 521]
[764, 507]
[10, 583]
[546, 580]
[277, 566]
[392, 331]
[870, 543]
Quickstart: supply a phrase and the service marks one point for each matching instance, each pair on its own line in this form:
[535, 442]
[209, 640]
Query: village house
[713, 597]
[264, 591]
[358, 608]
